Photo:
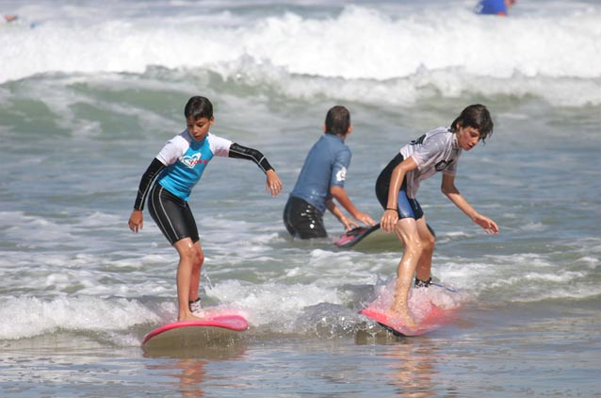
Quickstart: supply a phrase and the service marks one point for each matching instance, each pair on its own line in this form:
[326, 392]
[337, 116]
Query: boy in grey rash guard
[436, 151]
[177, 169]
[321, 181]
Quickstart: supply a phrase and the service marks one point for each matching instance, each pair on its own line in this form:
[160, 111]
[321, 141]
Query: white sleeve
[219, 146]
[173, 149]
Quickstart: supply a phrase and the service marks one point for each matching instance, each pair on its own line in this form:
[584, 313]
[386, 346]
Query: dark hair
[338, 120]
[475, 116]
[198, 107]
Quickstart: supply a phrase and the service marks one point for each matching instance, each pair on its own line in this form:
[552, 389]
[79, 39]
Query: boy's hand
[389, 220]
[348, 223]
[489, 225]
[136, 220]
[274, 185]
[365, 219]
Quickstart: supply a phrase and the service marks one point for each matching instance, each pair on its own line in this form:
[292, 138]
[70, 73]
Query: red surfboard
[190, 332]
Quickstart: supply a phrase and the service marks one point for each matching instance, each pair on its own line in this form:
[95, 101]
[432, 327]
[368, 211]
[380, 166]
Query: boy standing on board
[177, 168]
[321, 180]
[396, 188]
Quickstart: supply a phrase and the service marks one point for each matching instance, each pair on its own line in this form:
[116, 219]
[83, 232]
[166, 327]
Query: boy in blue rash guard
[436, 151]
[494, 7]
[321, 180]
[177, 168]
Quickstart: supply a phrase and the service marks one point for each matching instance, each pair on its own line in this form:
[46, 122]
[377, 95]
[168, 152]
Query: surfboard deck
[213, 329]
[431, 308]
[368, 239]
[436, 318]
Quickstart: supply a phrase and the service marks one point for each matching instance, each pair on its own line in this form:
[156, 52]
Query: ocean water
[90, 91]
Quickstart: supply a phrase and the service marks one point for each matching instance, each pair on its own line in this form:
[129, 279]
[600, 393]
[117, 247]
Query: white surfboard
[215, 329]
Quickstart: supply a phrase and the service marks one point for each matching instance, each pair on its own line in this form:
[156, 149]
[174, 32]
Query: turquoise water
[91, 93]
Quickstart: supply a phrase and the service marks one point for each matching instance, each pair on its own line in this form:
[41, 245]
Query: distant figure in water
[12, 19]
[494, 7]
[8, 18]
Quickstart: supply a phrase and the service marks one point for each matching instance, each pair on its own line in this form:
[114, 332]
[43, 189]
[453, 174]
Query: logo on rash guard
[443, 164]
[341, 175]
[193, 160]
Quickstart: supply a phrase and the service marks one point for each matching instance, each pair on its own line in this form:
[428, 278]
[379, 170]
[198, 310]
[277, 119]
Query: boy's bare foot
[404, 318]
[188, 317]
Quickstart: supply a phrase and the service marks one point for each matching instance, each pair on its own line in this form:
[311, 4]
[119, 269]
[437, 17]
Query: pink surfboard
[195, 332]
[436, 318]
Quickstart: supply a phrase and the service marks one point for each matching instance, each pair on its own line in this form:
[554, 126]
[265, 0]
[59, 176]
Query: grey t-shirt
[435, 151]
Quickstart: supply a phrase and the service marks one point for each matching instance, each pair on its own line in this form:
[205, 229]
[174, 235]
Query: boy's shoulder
[328, 146]
[180, 140]
[334, 139]
[440, 130]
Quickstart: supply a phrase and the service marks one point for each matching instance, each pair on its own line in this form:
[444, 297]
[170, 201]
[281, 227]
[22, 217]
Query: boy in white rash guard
[177, 168]
[436, 151]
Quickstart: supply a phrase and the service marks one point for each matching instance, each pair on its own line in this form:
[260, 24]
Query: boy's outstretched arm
[450, 190]
[339, 193]
[274, 184]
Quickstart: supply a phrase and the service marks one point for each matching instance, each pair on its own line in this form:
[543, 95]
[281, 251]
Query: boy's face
[467, 137]
[199, 128]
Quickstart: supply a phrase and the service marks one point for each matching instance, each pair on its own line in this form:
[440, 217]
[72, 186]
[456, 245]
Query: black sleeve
[241, 152]
[146, 182]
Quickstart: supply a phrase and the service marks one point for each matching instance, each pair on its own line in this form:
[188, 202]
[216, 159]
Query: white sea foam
[392, 58]
[274, 304]
[28, 317]
[241, 271]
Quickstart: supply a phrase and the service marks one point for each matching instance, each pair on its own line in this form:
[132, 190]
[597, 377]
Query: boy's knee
[192, 253]
[429, 243]
[200, 258]
[197, 256]
[414, 246]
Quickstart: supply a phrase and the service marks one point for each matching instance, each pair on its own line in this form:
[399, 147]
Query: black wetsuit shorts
[172, 215]
[408, 207]
[303, 220]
